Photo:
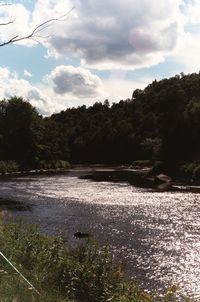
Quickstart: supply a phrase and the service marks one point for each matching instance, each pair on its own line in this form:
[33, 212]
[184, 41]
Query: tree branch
[36, 30]
[7, 23]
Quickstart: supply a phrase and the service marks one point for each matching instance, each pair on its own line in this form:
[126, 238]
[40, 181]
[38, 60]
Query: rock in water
[81, 235]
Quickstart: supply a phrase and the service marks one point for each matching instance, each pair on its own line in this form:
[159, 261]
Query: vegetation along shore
[84, 274]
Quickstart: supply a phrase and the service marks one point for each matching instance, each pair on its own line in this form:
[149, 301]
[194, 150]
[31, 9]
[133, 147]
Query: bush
[53, 164]
[158, 167]
[8, 166]
[196, 174]
[191, 171]
[142, 164]
[86, 274]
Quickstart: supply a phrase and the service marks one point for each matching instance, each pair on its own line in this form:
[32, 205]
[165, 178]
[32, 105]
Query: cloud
[48, 100]
[191, 10]
[27, 73]
[23, 21]
[114, 34]
[72, 87]
[187, 52]
[11, 85]
[76, 81]
[20, 25]
[123, 89]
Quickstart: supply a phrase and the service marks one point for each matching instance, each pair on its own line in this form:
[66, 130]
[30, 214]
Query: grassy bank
[86, 274]
[11, 167]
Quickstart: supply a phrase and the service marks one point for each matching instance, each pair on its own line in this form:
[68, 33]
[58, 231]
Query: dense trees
[27, 138]
[159, 123]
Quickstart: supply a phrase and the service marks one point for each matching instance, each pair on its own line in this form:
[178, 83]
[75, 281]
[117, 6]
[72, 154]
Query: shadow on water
[13, 205]
[135, 178]
[140, 179]
[154, 234]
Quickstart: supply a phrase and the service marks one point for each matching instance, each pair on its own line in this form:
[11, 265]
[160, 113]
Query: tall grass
[85, 274]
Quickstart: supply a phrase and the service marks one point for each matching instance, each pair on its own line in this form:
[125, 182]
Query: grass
[85, 274]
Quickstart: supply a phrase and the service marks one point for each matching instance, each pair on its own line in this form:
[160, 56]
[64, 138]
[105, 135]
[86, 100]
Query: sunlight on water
[157, 235]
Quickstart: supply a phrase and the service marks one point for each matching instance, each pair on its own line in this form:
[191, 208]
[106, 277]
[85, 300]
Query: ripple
[156, 235]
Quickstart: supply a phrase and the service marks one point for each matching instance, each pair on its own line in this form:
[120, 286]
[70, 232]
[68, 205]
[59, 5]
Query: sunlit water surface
[156, 235]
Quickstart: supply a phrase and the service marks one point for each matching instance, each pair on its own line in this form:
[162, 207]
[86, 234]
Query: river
[155, 234]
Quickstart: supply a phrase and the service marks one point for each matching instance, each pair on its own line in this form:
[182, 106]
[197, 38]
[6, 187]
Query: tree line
[28, 139]
[158, 123]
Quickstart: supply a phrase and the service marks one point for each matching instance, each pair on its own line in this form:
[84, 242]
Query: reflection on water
[13, 205]
[156, 235]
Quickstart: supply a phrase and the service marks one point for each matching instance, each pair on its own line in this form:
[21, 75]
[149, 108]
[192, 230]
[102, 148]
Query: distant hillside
[161, 122]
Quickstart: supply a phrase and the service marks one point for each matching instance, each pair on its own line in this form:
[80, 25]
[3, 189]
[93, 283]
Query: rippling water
[156, 235]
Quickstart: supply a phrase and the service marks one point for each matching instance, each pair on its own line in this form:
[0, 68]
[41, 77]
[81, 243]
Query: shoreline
[34, 172]
[141, 174]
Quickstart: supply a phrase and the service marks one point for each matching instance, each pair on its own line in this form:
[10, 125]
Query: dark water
[156, 235]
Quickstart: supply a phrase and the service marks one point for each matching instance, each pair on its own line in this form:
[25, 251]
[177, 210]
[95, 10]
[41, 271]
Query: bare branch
[34, 34]
[7, 23]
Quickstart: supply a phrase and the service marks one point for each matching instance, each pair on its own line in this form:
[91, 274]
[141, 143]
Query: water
[156, 235]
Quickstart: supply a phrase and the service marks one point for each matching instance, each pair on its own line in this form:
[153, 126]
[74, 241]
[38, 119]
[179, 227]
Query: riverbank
[55, 273]
[144, 229]
[144, 177]
[34, 172]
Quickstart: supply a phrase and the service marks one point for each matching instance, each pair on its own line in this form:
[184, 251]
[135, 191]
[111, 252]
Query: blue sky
[100, 50]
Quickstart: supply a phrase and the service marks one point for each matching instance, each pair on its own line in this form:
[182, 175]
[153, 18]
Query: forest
[160, 123]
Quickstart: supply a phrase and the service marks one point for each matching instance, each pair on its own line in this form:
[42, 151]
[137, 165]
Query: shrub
[158, 167]
[8, 166]
[196, 174]
[142, 163]
[191, 171]
[53, 164]
[86, 274]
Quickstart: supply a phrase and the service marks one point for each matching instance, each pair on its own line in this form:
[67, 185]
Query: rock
[81, 235]
[164, 182]
[165, 186]
[163, 178]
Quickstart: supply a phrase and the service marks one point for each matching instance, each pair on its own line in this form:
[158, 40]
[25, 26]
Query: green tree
[17, 118]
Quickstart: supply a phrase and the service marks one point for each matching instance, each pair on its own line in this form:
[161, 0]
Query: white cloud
[114, 34]
[191, 10]
[75, 81]
[27, 73]
[23, 21]
[187, 52]
[12, 85]
[73, 87]
[48, 100]
[123, 89]
[4, 73]
[119, 34]
[20, 19]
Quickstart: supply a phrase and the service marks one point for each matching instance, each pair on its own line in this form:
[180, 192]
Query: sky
[95, 49]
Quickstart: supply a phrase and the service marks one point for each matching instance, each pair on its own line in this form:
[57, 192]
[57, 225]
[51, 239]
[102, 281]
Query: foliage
[86, 274]
[159, 123]
[8, 166]
[158, 167]
[29, 139]
[142, 163]
[196, 174]
[53, 164]
[191, 171]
